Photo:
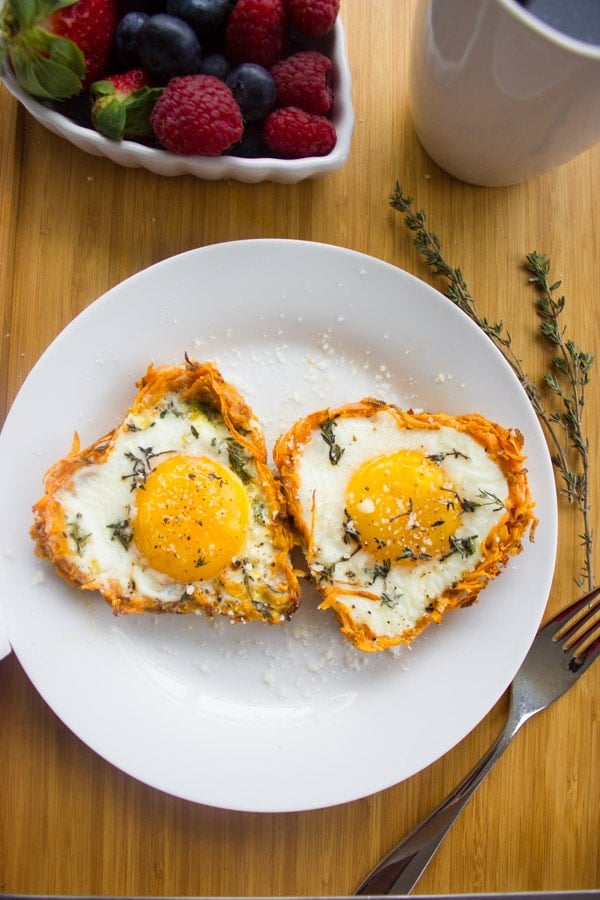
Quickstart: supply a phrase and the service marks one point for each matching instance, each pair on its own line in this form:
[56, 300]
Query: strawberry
[122, 104]
[58, 47]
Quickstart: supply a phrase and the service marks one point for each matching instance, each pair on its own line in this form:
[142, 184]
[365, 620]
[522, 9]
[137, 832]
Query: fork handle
[400, 870]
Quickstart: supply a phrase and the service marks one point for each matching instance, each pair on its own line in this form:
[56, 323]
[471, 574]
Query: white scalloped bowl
[162, 162]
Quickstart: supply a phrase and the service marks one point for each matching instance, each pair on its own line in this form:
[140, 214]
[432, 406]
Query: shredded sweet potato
[503, 445]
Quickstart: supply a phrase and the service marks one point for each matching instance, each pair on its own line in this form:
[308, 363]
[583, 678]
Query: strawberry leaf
[66, 53]
[45, 8]
[24, 11]
[45, 65]
[123, 117]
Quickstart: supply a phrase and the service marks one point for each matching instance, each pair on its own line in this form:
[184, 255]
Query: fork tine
[583, 627]
[579, 629]
[569, 616]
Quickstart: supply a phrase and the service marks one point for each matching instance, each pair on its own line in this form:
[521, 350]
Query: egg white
[99, 502]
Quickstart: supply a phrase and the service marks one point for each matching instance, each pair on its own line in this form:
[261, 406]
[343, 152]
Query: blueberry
[252, 145]
[168, 47]
[77, 108]
[253, 89]
[147, 6]
[125, 38]
[207, 17]
[215, 64]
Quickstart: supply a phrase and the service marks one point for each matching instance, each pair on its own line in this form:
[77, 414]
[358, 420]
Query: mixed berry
[207, 77]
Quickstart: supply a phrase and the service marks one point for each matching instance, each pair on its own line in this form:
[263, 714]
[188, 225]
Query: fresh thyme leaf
[238, 460]
[141, 466]
[490, 499]
[407, 553]
[351, 533]
[484, 498]
[259, 512]
[77, 535]
[169, 409]
[122, 532]
[328, 434]
[566, 380]
[440, 457]
[381, 570]
[263, 608]
[209, 412]
[326, 573]
[465, 546]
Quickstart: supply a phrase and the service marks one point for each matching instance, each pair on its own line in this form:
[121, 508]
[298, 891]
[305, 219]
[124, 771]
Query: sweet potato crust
[503, 445]
[203, 383]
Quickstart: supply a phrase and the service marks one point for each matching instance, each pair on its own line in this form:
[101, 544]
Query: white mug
[496, 95]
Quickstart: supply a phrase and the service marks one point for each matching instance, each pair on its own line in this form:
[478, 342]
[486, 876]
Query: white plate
[161, 162]
[251, 717]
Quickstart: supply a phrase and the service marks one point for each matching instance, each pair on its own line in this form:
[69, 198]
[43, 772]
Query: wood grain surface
[72, 226]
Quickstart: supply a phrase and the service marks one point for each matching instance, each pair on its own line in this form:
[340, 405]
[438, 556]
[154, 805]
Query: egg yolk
[403, 507]
[192, 516]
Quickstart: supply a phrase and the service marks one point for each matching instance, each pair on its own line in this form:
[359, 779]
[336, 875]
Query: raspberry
[312, 18]
[304, 80]
[196, 114]
[256, 32]
[293, 133]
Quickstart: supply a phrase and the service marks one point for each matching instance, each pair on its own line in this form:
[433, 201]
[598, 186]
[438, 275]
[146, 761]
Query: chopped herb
[122, 532]
[194, 431]
[76, 534]
[464, 546]
[407, 553]
[248, 581]
[169, 409]
[489, 499]
[259, 512]
[141, 465]
[486, 498]
[351, 533]
[237, 460]
[208, 411]
[380, 570]
[440, 457]
[201, 561]
[327, 573]
[328, 434]
[263, 609]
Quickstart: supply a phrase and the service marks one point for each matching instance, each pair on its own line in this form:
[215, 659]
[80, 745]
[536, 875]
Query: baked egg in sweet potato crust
[402, 515]
[174, 510]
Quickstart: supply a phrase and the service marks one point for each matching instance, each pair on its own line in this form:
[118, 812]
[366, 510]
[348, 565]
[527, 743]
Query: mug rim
[573, 45]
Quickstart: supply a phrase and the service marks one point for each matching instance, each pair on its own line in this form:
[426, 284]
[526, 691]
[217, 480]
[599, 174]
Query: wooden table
[72, 226]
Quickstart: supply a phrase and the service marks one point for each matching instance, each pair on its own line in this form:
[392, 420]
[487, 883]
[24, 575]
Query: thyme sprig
[565, 380]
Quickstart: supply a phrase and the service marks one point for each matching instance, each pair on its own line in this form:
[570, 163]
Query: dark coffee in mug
[578, 19]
